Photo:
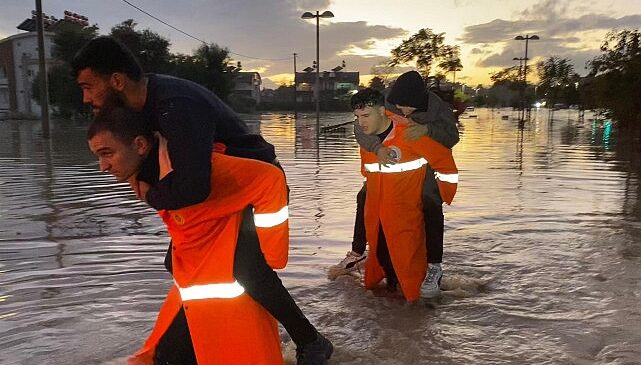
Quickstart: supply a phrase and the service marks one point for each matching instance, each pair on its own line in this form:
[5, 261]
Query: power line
[196, 38]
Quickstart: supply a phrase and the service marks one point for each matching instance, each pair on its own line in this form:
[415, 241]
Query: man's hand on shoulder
[385, 155]
[415, 130]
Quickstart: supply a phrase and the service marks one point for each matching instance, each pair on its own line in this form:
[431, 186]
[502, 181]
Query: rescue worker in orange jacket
[393, 206]
[225, 325]
[192, 118]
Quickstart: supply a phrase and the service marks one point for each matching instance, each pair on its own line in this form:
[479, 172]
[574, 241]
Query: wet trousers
[432, 215]
[262, 284]
[175, 346]
[383, 256]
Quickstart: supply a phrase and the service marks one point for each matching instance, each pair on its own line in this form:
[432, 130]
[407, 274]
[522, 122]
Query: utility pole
[309, 15]
[44, 84]
[525, 59]
[295, 88]
[317, 88]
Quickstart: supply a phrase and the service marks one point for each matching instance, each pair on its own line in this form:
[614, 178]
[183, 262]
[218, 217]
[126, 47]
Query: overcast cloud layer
[561, 35]
[272, 30]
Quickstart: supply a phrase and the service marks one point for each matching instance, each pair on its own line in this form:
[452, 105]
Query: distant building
[334, 82]
[18, 69]
[248, 84]
[5, 103]
[19, 62]
[268, 95]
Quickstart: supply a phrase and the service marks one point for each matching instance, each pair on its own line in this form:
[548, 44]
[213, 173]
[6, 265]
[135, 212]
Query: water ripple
[542, 255]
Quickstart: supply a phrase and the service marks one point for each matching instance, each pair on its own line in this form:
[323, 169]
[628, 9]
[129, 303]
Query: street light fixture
[527, 38]
[520, 59]
[317, 16]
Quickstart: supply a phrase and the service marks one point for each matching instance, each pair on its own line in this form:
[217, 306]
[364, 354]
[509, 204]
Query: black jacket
[192, 118]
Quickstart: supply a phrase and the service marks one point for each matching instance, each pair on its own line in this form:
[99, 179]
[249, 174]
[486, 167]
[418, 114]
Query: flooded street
[542, 248]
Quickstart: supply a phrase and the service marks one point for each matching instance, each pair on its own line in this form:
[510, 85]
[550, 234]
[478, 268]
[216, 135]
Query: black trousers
[262, 284]
[383, 256]
[432, 215]
[175, 346]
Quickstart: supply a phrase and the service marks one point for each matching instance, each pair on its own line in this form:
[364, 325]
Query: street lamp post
[520, 81]
[295, 110]
[526, 39]
[309, 15]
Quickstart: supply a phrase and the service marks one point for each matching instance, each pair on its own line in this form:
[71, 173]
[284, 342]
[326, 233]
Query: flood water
[542, 248]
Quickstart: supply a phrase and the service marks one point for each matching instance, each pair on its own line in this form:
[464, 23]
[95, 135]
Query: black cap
[409, 90]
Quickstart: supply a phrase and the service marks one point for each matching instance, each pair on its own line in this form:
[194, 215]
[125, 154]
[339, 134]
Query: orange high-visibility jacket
[226, 325]
[394, 199]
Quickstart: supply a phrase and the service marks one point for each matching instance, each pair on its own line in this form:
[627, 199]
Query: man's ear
[118, 81]
[142, 144]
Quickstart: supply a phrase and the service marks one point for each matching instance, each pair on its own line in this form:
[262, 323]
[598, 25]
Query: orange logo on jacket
[178, 218]
[395, 153]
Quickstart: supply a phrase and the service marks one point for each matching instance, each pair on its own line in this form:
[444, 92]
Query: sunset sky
[263, 34]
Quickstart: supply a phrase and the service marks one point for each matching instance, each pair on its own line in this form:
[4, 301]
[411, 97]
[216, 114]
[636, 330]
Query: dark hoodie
[409, 90]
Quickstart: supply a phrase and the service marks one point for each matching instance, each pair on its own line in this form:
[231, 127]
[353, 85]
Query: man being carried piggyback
[429, 116]
[393, 214]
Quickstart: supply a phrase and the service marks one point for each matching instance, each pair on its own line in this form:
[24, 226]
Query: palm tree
[452, 61]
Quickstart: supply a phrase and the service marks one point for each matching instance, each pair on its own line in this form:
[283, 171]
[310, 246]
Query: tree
[376, 83]
[209, 66]
[69, 38]
[556, 79]
[220, 75]
[614, 79]
[426, 48]
[64, 94]
[461, 96]
[452, 61]
[188, 67]
[510, 77]
[506, 86]
[151, 49]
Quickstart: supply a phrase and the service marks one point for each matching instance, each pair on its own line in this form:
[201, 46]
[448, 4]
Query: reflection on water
[542, 255]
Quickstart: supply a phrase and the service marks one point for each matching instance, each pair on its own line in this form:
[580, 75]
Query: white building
[248, 84]
[18, 69]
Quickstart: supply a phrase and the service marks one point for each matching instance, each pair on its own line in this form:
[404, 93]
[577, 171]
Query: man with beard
[192, 119]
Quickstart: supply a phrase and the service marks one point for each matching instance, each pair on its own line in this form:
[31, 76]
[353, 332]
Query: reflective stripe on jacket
[394, 202]
[226, 325]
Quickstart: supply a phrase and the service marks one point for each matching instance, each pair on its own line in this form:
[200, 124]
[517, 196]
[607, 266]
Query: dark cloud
[274, 30]
[496, 31]
[557, 31]
[547, 19]
[339, 36]
[334, 38]
[266, 30]
[311, 5]
[500, 59]
[577, 57]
